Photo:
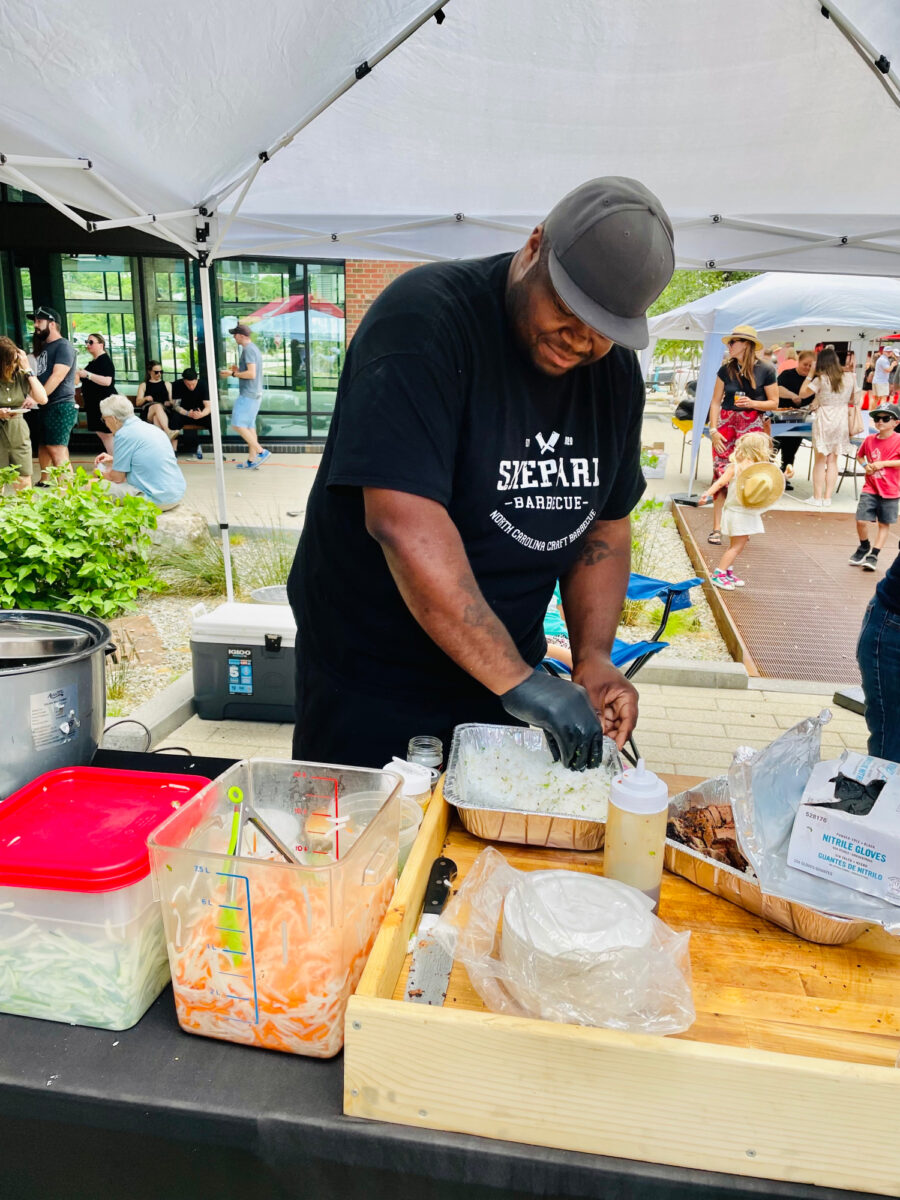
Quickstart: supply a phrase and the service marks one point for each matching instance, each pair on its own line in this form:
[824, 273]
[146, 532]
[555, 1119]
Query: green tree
[684, 287]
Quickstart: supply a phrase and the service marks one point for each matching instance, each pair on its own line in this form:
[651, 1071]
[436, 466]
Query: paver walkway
[801, 610]
[682, 730]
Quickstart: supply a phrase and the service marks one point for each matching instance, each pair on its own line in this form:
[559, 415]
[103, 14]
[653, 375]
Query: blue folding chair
[675, 597]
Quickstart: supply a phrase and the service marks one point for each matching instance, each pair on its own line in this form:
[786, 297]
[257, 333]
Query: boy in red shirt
[881, 491]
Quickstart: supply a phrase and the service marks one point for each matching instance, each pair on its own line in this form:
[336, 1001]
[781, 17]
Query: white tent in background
[803, 309]
[362, 128]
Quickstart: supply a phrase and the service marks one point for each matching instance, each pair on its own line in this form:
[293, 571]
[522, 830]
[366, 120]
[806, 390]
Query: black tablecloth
[153, 1113]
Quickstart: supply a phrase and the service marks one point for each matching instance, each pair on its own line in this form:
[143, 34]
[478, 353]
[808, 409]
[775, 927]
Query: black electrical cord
[131, 721]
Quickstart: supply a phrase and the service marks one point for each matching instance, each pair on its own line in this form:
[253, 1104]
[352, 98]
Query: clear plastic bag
[766, 787]
[568, 946]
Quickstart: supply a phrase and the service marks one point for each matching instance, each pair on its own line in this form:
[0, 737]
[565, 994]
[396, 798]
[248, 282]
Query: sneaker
[200, 452]
[261, 457]
[732, 578]
[812, 501]
[720, 580]
[826, 504]
[856, 558]
[788, 486]
[870, 562]
[246, 466]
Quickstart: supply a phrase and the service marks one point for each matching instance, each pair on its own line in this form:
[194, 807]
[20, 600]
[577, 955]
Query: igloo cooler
[243, 660]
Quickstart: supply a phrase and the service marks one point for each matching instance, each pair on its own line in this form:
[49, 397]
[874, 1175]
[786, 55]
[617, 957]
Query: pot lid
[27, 639]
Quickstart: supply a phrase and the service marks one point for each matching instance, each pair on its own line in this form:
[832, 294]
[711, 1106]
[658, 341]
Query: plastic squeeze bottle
[636, 830]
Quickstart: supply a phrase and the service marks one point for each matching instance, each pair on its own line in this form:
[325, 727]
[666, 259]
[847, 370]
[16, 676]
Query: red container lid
[85, 829]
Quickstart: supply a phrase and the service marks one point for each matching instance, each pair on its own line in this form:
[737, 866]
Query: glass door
[99, 298]
[168, 313]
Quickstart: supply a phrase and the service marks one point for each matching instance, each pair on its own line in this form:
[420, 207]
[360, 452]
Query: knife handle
[440, 879]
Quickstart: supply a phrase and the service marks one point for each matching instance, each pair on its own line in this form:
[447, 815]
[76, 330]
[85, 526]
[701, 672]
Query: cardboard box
[861, 852]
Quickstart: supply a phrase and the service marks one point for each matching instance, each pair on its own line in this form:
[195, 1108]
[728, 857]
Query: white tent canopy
[804, 309]
[757, 127]
[363, 128]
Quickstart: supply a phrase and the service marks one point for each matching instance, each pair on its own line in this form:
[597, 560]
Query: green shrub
[71, 547]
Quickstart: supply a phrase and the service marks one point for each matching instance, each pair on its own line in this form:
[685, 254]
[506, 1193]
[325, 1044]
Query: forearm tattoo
[595, 548]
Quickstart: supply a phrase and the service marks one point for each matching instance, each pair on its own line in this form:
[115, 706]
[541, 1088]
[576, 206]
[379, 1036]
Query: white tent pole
[158, 228]
[878, 63]
[647, 356]
[709, 365]
[359, 73]
[30, 186]
[33, 160]
[404, 252]
[212, 383]
[237, 204]
[146, 219]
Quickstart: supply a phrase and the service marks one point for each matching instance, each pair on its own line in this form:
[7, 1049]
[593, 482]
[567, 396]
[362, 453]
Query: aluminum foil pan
[741, 888]
[522, 826]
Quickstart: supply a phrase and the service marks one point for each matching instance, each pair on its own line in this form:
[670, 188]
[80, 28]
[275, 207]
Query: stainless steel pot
[52, 692]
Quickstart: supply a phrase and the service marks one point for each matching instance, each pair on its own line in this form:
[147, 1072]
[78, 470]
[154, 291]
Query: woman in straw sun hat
[754, 484]
[746, 388]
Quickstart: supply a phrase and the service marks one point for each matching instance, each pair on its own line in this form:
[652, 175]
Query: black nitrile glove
[564, 712]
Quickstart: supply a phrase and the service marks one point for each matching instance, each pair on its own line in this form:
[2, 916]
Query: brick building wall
[364, 279]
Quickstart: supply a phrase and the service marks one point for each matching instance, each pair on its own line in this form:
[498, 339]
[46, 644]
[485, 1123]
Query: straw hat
[747, 332]
[759, 485]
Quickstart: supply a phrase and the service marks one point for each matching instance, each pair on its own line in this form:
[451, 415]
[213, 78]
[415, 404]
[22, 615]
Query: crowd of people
[39, 408]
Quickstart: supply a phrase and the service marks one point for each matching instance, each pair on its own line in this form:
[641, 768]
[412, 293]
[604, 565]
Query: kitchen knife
[429, 973]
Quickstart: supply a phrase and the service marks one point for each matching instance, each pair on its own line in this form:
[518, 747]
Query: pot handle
[112, 649]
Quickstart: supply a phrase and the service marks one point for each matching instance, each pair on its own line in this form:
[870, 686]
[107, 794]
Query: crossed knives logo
[548, 444]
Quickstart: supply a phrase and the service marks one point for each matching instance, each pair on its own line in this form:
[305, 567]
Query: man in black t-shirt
[190, 406]
[485, 443]
[790, 381]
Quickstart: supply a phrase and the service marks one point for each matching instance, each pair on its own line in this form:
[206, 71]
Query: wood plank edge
[624, 1095]
[737, 647]
[379, 978]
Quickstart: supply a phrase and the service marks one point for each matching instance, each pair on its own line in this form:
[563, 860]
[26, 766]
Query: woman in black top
[745, 390]
[154, 398]
[97, 382]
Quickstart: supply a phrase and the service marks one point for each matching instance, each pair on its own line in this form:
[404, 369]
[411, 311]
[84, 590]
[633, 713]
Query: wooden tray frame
[660, 1100]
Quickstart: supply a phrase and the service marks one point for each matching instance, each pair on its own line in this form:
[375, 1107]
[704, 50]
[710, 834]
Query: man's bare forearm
[594, 589]
[428, 562]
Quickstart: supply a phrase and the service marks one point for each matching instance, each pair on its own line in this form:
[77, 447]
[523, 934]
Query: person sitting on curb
[143, 461]
[881, 492]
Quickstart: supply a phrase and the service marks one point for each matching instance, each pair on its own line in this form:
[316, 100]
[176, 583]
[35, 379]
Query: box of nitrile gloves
[847, 828]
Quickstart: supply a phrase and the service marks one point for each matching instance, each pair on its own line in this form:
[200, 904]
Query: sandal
[715, 538]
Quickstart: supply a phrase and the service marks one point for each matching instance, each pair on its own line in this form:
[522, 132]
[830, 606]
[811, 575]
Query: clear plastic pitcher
[263, 951]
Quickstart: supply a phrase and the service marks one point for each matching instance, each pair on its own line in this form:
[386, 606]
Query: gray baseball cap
[611, 255]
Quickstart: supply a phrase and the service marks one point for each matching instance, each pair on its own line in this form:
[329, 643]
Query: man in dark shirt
[485, 443]
[790, 381]
[190, 406]
[55, 356]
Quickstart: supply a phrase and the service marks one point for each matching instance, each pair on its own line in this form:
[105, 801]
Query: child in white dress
[754, 484]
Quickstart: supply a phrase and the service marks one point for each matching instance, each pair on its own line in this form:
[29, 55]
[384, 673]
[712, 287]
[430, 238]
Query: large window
[99, 296]
[296, 313]
[147, 307]
[170, 321]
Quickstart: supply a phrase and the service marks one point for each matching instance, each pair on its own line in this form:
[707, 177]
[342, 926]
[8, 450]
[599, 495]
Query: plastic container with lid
[81, 939]
[263, 951]
[415, 779]
[636, 830]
